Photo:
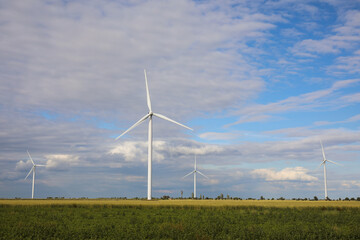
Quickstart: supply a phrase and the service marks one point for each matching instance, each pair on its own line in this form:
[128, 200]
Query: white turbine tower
[194, 172]
[33, 169]
[149, 116]
[324, 163]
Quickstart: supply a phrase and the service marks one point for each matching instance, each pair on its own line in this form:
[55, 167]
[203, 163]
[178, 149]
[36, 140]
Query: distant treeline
[220, 197]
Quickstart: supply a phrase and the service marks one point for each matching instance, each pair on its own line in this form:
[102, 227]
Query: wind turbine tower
[33, 170]
[324, 163]
[194, 172]
[149, 116]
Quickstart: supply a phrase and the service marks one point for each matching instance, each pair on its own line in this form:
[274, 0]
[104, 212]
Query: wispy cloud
[307, 101]
[349, 120]
[345, 37]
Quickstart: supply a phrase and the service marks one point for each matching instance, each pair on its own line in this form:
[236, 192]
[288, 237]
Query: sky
[260, 82]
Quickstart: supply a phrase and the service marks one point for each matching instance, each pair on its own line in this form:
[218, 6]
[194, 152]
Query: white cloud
[286, 174]
[133, 151]
[130, 150]
[61, 161]
[21, 165]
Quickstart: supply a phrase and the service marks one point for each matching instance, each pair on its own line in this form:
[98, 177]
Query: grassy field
[185, 202]
[179, 219]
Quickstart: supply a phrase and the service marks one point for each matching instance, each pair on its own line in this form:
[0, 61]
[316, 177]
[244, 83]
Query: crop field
[179, 219]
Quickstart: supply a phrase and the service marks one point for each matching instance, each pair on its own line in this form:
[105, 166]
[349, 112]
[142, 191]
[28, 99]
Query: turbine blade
[170, 120]
[40, 165]
[323, 152]
[202, 174]
[147, 92]
[334, 162]
[188, 174]
[30, 157]
[320, 164]
[32, 169]
[133, 126]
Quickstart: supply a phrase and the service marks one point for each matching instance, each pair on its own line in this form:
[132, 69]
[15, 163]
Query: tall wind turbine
[324, 163]
[149, 116]
[194, 172]
[33, 169]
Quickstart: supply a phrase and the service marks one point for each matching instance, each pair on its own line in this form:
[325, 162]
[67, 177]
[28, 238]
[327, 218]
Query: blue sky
[261, 82]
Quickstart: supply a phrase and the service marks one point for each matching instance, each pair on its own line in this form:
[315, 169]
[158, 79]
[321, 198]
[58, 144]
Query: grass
[178, 219]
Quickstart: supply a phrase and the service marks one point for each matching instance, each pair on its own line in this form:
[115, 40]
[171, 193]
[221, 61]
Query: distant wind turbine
[149, 116]
[194, 172]
[33, 169]
[324, 163]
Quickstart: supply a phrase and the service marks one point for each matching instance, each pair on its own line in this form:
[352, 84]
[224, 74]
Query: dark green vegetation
[176, 222]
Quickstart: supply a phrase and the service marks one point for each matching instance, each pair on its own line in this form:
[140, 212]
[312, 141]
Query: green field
[179, 219]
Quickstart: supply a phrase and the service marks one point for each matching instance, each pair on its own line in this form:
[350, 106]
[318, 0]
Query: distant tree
[358, 199]
[192, 195]
[221, 196]
[315, 198]
[165, 197]
[352, 199]
[281, 198]
[228, 196]
[182, 192]
[262, 198]
[346, 199]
